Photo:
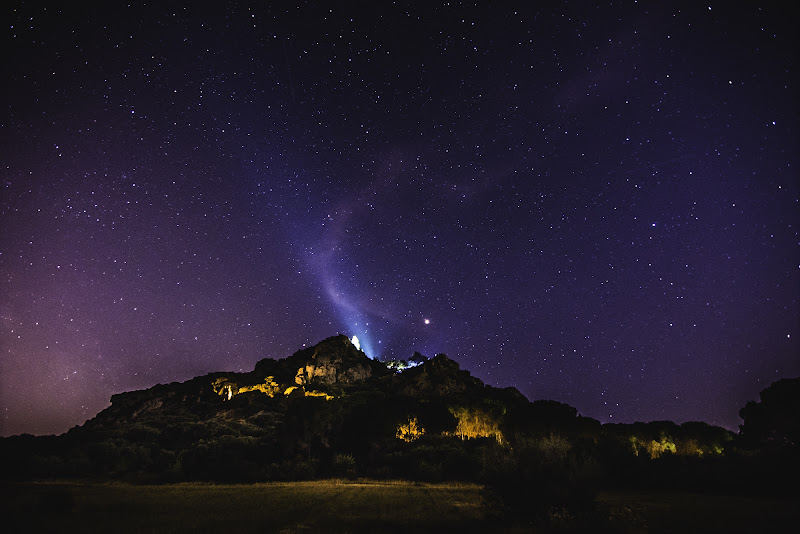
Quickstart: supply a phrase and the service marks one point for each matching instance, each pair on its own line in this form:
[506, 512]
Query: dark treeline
[328, 411]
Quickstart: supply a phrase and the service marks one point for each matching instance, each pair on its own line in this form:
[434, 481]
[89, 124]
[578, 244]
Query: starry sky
[596, 203]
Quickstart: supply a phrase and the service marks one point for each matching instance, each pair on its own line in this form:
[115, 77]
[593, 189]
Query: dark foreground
[355, 507]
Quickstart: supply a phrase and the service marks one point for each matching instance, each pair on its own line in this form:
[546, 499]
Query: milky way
[593, 204]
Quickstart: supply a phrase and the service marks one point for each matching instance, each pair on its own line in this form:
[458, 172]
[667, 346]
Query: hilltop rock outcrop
[333, 362]
[437, 377]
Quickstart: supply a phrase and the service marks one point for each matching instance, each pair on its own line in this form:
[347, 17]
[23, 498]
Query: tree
[775, 421]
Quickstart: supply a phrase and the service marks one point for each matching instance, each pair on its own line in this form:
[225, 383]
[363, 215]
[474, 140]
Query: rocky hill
[329, 410]
[333, 369]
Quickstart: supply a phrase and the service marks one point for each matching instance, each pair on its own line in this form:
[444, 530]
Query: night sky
[596, 204]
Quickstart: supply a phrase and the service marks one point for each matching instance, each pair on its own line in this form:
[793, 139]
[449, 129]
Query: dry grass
[361, 506]
[317, 506]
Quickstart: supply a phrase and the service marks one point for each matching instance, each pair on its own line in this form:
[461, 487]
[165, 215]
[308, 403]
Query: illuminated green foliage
[410, 431]
[474, 423]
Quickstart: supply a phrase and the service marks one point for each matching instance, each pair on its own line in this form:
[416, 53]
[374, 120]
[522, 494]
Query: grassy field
[298, 507]
[355, 507]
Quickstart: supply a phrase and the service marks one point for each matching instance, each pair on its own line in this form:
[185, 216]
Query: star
[503, 190]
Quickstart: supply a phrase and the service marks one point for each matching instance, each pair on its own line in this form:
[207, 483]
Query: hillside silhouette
[330, 411]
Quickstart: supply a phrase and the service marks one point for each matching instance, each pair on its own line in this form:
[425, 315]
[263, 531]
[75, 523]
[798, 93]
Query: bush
[544, 480]
[344, 466]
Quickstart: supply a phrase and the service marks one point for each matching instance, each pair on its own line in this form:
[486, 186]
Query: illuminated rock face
[334, 360]
[227, 388]
[327, 370]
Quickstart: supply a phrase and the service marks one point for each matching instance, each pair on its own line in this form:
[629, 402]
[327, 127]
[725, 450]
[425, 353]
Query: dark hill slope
[329, 410]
